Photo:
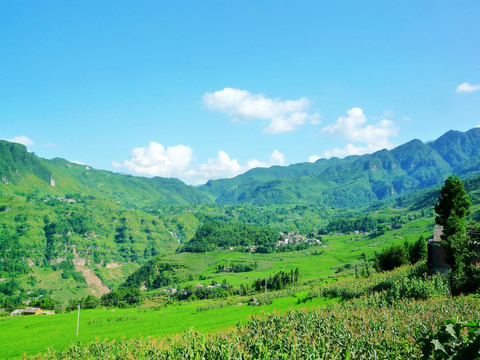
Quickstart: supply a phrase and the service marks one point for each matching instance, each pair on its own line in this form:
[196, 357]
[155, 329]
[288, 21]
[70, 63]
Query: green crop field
[59, 331]
[316, 262]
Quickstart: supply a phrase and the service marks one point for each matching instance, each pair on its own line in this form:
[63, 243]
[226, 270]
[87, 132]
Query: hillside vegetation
[55, 213]
[166, 258]
[356, 180]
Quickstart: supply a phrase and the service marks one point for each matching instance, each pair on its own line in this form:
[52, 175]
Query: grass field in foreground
[34, 334]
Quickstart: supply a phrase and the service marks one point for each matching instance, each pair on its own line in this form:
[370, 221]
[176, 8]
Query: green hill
[53, 212]
[356, 180]
[26, 172]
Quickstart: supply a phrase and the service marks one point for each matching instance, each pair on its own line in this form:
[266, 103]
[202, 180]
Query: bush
[419, 288]
[454, 340]
[390, 258]
[397, 255]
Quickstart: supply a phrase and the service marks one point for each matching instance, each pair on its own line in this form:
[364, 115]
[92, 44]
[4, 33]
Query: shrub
[454, 340]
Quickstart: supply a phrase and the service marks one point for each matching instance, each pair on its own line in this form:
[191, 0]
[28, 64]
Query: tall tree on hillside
[452, 207]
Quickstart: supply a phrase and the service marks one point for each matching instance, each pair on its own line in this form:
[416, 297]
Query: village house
[292, 238]
[436, 253]
[214, 286]
[32, 311]
[17, 312]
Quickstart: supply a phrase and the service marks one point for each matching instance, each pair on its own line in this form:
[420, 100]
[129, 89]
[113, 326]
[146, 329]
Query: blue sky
[208, 89]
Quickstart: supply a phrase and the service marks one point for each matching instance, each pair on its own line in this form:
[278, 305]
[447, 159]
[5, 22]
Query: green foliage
[15, 160]
[110, 218]
[417, 251]
[11, 253]
[237, 267]
[354, 181]
[122, 297]
[213, 291]
[418, 288]
[215, 234]
[407, 282]
[10, 287]
[454, 340]
[452, 208]
[460, 246]
[344, 225]
[278, 281]
[397, 255]
[44, 303]
[360, 329]
[392, 257]
[153, 275]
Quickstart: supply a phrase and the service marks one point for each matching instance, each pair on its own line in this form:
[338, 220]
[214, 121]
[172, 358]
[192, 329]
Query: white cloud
[350, 149]
[282, 124]
[158, 161]
[176, 161]
[315, 119]
[221, 167]
[277, 158]
[466, 87]
[284, 116]
[224, 167]
[375, 137]
[22, 140]
[314, 158]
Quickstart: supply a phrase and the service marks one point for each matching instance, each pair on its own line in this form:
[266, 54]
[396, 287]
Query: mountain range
[350, 182]
[356, 180]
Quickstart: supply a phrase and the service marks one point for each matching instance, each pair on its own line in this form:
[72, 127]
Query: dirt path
[96, 286]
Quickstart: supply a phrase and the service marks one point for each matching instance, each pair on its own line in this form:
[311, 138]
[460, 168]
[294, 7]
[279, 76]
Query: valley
[153, 257]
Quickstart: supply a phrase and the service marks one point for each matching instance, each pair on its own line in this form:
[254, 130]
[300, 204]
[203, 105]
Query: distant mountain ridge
[350, 182]
[27, 172]
[356, 180]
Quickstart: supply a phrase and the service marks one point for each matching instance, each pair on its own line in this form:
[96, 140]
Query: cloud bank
[22, 140]
[283, 116]
[155, 160]
[467, 88]
[176, 161]
[314, 158]
[362, 139]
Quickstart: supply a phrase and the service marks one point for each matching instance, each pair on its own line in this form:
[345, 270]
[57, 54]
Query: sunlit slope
[356, 180]
[26, 172]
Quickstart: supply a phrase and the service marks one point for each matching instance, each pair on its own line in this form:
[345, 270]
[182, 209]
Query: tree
[418, 250]
[452, 207]
[391, 258]
[50, 230]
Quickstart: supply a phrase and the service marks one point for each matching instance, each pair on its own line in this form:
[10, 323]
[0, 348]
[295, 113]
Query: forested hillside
[356, 180]
[54, 213]
[350, 182]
